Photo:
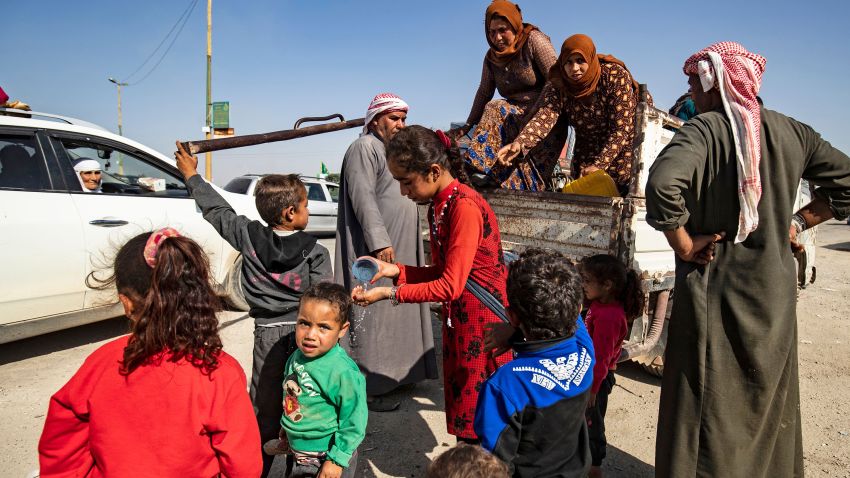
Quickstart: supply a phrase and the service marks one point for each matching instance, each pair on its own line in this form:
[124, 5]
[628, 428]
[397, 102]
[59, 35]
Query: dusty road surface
[402, 443]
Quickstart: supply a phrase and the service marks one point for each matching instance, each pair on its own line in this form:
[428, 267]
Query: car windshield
[238, 185]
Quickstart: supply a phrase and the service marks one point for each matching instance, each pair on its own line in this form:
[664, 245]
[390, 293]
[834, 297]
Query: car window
[334, 190]
[315, 193]
[21, 164]
[125, 173]
[238, 185]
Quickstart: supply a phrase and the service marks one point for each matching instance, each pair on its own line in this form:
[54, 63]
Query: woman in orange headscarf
[517, 65]
[598, 96]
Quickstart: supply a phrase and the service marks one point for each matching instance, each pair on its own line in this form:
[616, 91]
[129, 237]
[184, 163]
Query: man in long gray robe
[393, 345]
[730, 402]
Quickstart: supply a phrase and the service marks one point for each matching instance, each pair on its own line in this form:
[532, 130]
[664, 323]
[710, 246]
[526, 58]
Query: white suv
[322, 199]
[53, 235]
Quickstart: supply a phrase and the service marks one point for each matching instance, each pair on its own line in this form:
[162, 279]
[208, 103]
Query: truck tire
[649, 353]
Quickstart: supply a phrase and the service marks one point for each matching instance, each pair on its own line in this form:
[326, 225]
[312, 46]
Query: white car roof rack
[66, 119]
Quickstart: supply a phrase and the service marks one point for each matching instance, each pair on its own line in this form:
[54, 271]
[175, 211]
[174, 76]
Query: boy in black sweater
[279, 262]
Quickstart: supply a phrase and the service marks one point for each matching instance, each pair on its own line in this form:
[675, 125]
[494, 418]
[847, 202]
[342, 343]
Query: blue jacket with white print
[530, 412]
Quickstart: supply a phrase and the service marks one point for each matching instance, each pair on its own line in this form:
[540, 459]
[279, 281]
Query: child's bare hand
[364, 297]
[385, 269]
[497, 337]
[329, 470]
[186, 163]
[591, 400]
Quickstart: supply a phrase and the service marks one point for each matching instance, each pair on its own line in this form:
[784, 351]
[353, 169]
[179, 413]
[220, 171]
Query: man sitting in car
[89, 174]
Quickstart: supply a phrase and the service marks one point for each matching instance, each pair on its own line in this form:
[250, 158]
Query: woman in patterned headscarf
[599, 97]
[516, 65]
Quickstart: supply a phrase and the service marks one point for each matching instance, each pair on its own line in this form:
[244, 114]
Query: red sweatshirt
[165, 420]
[607, 326]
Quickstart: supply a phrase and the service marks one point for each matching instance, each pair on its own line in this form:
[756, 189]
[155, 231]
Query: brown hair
[467, 461]
[626, 284]
[276, 192]
[174, 304]
[334, 294]
[415, 148]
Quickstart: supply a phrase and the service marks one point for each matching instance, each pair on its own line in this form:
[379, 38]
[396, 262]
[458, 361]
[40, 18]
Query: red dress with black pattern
[465, 242]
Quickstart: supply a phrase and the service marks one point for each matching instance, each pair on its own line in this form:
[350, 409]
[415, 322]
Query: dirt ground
[402, 443]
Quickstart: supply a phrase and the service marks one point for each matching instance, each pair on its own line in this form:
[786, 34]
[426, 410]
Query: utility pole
[119, 85]
[208, 169]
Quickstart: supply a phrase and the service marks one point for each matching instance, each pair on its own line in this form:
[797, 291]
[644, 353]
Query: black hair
[332, 293]
[544, 291]
[467, 461]
[174, 304]
[415, 148]
[626, 285]
[277, 192]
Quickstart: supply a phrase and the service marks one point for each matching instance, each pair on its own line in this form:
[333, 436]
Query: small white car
[53, 235]
[322, 199]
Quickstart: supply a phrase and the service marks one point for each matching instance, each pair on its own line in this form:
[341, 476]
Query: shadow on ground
[619, 463]
[63, 339]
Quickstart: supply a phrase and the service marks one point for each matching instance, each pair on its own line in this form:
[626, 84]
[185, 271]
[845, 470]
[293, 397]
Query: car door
[322, 210]
[42, 253]
[139, 193]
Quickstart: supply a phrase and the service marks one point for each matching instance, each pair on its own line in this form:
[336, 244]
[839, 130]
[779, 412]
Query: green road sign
[221, 114]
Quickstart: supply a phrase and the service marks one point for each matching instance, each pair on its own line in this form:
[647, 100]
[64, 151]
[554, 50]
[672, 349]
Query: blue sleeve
[496, 422]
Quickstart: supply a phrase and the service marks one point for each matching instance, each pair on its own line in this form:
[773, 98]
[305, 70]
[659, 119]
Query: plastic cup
[364, 270]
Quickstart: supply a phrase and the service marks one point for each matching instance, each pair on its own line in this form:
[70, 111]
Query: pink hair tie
[444, 139]
[154, 241]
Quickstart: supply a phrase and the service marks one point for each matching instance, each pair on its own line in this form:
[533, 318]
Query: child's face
[318, 328]
[297, 219]
[419, 188]
[593, 289]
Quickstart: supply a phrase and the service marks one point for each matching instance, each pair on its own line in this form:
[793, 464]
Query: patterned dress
[499, 121]
[605, 125]
[465, 242]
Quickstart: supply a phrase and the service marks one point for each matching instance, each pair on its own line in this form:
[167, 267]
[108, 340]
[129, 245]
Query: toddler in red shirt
[616, 298]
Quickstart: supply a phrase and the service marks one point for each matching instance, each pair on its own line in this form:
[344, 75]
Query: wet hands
[508, 153]
[186, 163]
[364, 297]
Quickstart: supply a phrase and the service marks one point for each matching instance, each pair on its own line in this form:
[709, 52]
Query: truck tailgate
[575, 225]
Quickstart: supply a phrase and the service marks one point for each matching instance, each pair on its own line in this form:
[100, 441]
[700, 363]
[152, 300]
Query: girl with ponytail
[168, 378]
[616, 298]
[466, 248]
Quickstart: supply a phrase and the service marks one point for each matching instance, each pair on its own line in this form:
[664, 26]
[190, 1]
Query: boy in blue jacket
[530, 412]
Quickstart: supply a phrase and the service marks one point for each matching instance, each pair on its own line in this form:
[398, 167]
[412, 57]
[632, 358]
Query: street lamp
[119, 85]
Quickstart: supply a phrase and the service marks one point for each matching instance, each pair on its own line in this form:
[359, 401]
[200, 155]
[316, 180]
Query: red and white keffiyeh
[383, 103]
[737, 73]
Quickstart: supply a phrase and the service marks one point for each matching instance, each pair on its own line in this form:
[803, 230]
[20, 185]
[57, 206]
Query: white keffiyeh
[737, 74]
[383, 103]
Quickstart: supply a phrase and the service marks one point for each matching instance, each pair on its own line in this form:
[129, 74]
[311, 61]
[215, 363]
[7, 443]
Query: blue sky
[276, 61]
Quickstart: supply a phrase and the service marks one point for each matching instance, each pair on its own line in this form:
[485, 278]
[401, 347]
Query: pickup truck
[580, 226]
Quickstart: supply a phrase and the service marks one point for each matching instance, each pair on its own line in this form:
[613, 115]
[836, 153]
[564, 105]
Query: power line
[184, 18]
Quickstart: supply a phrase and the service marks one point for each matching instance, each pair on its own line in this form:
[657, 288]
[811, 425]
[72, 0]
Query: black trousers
[272, 348]
[595, 416]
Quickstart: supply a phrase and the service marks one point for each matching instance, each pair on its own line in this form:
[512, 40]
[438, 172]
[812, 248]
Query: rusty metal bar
[202, 146]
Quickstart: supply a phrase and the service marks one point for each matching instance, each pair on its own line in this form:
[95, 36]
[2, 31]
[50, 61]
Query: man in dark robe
[393, 345]
[723, 192]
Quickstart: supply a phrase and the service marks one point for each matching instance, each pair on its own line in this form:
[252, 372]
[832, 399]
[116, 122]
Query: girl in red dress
[166, 400]
[465, 245]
